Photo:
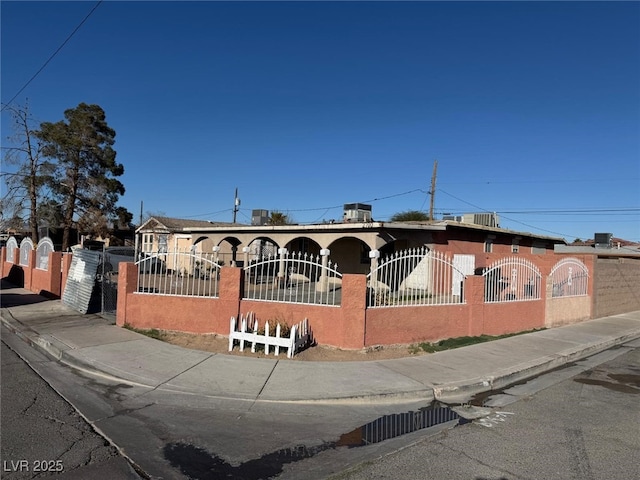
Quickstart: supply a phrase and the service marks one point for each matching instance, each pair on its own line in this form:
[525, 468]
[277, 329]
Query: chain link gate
[107, 284]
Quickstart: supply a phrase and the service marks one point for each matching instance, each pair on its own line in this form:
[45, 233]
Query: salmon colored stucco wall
[66, 266]
[335, 326]
[352, 325]
[28, 269]
[400, 325]
[512, 317]
[386, 326]
[325, 321]
[506, 317]
[339, 326]
[184, 314]
[14, 272]
[167, 312]
[6, 266]
[48, 281]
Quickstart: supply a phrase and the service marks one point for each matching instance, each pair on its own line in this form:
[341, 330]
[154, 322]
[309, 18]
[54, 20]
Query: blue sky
[532, 109]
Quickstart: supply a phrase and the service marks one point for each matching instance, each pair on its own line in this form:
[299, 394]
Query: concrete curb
[458, 392]
[461, 391]
[31, 338]
[63, 356]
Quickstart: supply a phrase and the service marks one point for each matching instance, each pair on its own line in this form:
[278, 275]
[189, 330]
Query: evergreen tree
[85, 180]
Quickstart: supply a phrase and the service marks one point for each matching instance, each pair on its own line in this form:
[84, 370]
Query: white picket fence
[246, 330]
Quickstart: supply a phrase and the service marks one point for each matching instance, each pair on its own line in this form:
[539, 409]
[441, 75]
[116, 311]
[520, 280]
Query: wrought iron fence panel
[511, 279]
[179, 273]
[569, 278]
[294, 277]
[417, 276]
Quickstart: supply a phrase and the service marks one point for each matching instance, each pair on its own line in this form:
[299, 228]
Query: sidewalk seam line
[178, 374]
[264, 385]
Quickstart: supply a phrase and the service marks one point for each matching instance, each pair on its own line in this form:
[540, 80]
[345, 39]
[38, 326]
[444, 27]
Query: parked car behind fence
[147, 264]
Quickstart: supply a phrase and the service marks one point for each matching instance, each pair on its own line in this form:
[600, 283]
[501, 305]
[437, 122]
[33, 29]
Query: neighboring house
[163, 234]
[617, 247]
[350, 242]
[166, 236]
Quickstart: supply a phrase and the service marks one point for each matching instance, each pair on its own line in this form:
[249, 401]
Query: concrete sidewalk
[91, 343]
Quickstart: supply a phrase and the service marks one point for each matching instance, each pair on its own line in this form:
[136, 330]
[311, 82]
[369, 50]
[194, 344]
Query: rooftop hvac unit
[357, 212]
[454, 218]
[602, 240]
[484, 219]
[259, 217]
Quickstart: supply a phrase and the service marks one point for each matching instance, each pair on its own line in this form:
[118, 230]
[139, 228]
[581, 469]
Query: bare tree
[24, 186]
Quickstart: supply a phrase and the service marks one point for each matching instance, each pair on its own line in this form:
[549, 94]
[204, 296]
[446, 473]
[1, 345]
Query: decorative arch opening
[262, 247]
[26, 246]
[352, 254]
[45, 246]
[304, 245]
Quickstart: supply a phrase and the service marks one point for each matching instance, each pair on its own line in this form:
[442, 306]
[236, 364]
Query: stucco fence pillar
[3, 259]
[66, 266]
[28, 270]
[474, 297]
[48, 282]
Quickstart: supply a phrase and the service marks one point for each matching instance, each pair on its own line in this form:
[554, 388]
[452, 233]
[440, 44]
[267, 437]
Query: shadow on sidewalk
[12, 296]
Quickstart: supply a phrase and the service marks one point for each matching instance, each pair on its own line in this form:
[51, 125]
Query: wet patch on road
[615, 386]
[633, 380]
[198, 464]
[395, 425]
[618, 382]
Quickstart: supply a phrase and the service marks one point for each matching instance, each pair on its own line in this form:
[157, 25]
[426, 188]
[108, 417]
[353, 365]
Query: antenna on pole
[433, 189]
[236, 204]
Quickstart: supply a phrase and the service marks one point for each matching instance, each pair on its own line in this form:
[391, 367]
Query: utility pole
[136, 240]
[433, 189]
[236, 204]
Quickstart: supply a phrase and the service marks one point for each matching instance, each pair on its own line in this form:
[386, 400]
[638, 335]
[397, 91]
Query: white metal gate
[512, 279]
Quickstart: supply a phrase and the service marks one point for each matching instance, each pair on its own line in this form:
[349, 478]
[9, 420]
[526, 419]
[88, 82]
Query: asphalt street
[43, 435]
[523, 435]
[586, 427]
[178, 436]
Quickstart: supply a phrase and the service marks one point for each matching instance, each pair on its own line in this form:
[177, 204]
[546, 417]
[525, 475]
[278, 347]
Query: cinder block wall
[616, 286]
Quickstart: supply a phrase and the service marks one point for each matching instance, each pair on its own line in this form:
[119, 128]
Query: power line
[507, 218]
[317, 209]
[323, 209]
[563, 181]
[633, 211]
[51, 57]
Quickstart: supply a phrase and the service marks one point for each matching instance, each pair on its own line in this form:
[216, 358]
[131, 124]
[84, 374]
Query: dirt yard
[219, 344]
